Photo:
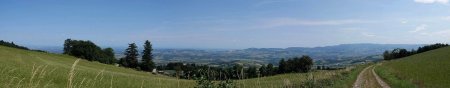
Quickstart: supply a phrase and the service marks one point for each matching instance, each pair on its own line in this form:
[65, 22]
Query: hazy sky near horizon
[225, 23]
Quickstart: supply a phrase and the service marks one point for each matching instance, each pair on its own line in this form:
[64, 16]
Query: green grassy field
[429, 69]
[29, 69]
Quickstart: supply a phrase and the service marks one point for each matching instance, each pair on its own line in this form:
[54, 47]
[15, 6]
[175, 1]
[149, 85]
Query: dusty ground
[369, 79]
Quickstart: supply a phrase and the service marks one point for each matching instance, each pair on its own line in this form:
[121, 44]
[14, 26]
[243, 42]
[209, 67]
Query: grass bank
[428, 69]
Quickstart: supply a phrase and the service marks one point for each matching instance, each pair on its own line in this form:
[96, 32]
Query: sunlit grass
[428, 69]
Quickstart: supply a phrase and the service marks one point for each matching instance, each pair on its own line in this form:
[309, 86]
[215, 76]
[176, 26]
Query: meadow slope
[29, 69]
[429, 69]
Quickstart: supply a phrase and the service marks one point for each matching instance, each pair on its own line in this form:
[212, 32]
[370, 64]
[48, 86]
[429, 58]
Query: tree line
[298, 64]
[11, 44]
[88, 50]
[400, 53]
[131, 57]
[191, 71]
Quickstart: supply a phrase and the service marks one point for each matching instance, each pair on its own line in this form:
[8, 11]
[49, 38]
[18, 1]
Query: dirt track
[369, 79]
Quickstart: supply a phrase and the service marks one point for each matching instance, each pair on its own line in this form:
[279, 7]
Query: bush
[227, 84]
[204, 82]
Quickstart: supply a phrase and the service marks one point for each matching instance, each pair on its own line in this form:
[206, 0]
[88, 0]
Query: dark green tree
[67, 46]
[252, 72]
[270, 70]
[147, 63]
[122, 62]
[305, 63]
[282, 66]
[131, 54]
[387, 55]
[88, 50]
[108, 57]
[238, 71]
[11, 44]
[83, 49]
[263, 71]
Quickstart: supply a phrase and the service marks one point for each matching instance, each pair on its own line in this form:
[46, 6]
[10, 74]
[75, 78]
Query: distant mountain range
[251, 56]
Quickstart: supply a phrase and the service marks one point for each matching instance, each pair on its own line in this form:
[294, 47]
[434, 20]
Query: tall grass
[72, 73]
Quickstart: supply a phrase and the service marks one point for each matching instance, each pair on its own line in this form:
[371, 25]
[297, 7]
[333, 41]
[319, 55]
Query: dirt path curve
[369, 79]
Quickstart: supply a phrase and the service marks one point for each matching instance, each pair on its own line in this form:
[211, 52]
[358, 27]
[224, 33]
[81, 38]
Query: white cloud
[432, 1]
[368, 34]
[443, 33]
[404, 21]
[298, 22]
[437, 34]
[419, 28]
[446, 18]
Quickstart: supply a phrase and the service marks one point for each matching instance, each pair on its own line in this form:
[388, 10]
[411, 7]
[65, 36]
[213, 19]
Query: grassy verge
[339, 79]
[393, 81]
[346, 80]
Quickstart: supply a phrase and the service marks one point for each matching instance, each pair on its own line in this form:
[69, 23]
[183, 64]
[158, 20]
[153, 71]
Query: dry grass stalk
[112, 77]
[33, 74]
[82, 81]
[12, 79]
[46, 85]
[95, 78]
[287, 83]
[18, 84]
[142, 83]
[72, 73]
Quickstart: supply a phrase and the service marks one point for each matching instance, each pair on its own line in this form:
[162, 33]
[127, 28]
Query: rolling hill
[325, 55]
[429, 69]
[30, 69]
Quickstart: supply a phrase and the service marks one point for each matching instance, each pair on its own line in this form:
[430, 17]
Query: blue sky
[225, 23]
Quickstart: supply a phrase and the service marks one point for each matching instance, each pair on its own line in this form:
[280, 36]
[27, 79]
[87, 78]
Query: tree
[86, 49]
[251, 72]
[270, 69]
[238, 71]
[67, 46]
[282, 66]
[387, 55]
[108, 57]
[263, 71]
[83, 49]
[306, 63]
[147, 63]
[122, 62]
[11, 44]
[131, 54]
[400, 53]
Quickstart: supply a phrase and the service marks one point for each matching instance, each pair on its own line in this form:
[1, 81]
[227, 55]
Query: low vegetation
[392, 79]
[428, 69]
